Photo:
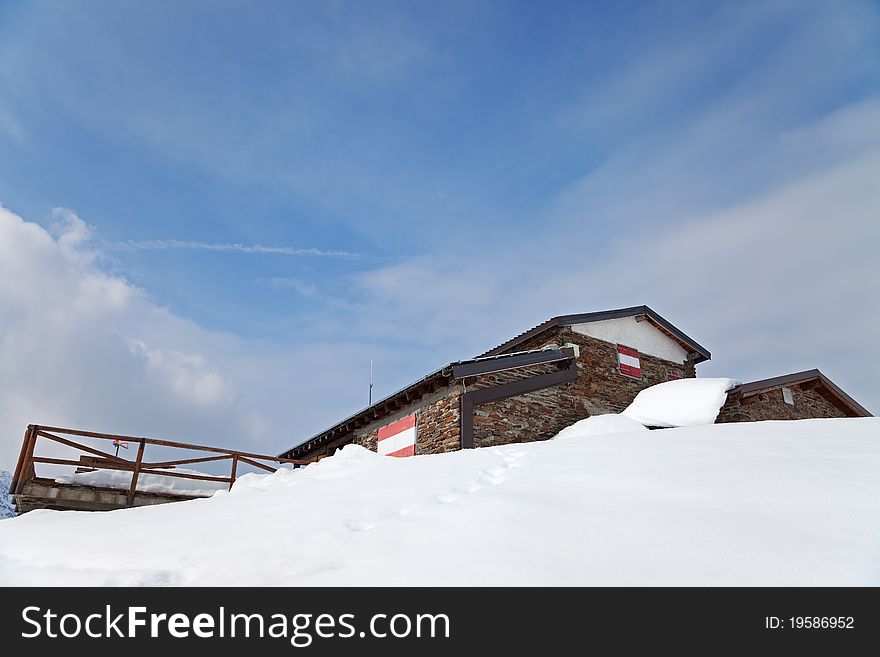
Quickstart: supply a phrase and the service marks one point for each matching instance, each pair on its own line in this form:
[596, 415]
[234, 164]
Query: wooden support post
[234, 468]
[134, 476]
[20, 463]
[27, 464]
[466, 422]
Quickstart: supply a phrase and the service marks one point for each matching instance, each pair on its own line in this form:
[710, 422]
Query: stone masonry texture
[599, 388]
[437, 422]
[769, 405]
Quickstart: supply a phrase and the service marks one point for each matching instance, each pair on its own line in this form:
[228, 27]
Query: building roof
[456, 370]
[697, 352]
[801, 378]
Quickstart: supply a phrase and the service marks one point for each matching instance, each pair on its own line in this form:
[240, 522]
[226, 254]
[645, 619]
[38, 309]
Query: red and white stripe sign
[628, 360]
[398, 438]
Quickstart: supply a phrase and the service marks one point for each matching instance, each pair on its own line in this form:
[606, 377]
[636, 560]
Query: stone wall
[599, 388]
[437, 422]
[769, 405]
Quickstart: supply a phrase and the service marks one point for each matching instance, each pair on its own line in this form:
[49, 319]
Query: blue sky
[296, 187]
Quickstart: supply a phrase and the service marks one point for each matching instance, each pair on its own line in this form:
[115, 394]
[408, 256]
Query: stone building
[561, 371]
[528, 388]
[797, 396]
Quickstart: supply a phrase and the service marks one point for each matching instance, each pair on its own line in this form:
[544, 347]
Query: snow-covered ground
[766, 503]
[7, 510]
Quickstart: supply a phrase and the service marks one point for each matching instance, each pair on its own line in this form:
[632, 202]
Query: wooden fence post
[234, 468]
[13, 485]
[27, 463]
[134, 477]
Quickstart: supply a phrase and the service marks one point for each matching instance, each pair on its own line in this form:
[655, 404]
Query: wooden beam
[470, 400]
[232, 473]
[258, 465]
[143, 470]
[19, 465]
[171, 464]
[27, 463]
[164, 443]
[79, 446]
[134, 475]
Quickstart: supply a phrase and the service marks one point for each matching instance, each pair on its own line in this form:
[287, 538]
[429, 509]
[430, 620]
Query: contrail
[228, 247]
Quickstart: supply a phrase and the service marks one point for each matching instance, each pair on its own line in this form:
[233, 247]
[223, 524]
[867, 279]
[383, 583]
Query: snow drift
[765, 503]
[600, 425]
[680, 403]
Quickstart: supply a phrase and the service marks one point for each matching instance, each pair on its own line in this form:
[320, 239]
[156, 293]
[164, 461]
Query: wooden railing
[96, 459]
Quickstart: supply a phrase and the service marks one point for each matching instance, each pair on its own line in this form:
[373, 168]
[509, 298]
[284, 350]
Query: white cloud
[70, 231]
[189, 377]
[85, 349]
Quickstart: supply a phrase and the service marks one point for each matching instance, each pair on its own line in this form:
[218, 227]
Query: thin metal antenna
[371, 382]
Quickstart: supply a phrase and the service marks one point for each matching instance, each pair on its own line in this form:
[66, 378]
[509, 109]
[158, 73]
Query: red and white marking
[398, 438]
[628, 360]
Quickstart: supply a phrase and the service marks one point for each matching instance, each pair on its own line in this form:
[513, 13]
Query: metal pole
[371, 382]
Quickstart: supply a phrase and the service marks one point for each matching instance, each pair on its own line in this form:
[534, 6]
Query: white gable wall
[644, 336]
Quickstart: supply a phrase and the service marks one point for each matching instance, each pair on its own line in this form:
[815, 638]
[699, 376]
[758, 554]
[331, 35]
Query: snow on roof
[680, 403]
[708, 505]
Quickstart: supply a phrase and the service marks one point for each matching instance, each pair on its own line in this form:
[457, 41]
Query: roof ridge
[702, 354]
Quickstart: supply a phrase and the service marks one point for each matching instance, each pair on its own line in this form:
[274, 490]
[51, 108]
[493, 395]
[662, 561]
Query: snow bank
[147, 483]
[764, 503]
[600, 425]
[680, 403]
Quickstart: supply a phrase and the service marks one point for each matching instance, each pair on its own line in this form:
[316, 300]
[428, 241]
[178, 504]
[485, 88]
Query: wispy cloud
[228, 247]
[11, 127]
